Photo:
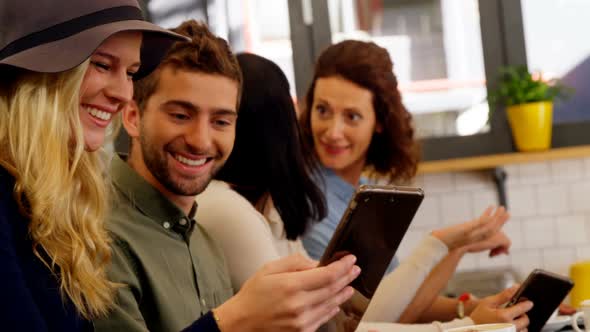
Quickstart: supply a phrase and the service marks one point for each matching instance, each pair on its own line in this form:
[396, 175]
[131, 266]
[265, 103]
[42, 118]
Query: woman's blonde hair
[59, 185]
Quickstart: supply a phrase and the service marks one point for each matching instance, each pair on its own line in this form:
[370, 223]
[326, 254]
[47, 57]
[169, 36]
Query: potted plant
[529, 106]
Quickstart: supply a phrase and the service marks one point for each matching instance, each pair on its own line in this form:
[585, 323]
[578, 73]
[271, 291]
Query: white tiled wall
[549, 203]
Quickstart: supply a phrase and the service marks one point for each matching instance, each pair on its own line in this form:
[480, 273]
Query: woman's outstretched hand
[480, 234]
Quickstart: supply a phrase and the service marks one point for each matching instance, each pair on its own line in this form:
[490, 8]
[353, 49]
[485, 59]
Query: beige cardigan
[250, 239]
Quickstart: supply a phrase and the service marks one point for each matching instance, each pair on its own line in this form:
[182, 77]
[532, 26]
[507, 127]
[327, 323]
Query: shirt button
[203, 302]
[166, 225]
[182, 221]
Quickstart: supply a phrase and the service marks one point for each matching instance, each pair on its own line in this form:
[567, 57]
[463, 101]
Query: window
[267, 34]
[555, 44]
[254, 26]
[437, 53]
[170, 13]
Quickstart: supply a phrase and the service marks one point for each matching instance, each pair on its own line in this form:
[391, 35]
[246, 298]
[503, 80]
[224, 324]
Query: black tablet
[372, 229]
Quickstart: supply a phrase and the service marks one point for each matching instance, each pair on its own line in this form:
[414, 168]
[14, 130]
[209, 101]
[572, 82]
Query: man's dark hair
[204, 53]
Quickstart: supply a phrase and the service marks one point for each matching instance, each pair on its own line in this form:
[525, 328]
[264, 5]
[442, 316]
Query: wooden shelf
[491, 161]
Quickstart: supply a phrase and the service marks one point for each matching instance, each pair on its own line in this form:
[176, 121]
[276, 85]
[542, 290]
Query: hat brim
[67, 53]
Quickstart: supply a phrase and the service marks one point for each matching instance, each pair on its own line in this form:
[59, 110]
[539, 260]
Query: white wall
[549, 203]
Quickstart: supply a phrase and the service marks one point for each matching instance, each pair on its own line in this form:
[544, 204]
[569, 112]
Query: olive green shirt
[171, 271]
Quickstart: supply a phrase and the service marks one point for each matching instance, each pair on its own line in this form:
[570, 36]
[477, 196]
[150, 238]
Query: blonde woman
[67, 70]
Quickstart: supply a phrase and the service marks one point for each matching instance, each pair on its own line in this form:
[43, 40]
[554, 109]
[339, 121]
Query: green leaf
[517, 86]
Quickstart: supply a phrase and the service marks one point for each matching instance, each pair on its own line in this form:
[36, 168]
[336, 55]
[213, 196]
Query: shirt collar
[149, 200]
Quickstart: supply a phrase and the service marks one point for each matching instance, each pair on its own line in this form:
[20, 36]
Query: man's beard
[157, 163]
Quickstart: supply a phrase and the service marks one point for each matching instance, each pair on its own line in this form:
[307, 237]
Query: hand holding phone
[492, 310]
[546, 290]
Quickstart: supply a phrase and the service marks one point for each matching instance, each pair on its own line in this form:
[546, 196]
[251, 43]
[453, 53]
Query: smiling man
[186, 131]
[172, 276]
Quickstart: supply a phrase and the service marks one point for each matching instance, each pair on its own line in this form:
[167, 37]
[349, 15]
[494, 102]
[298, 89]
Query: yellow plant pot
[531, 125]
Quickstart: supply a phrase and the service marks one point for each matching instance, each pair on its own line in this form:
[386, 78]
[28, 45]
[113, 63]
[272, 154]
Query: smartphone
[546, 290]
[372, 229]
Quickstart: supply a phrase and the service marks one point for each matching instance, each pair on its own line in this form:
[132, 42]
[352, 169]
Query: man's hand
[290, 294]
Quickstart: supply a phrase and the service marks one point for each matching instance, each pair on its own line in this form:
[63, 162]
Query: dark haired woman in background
[268, 198]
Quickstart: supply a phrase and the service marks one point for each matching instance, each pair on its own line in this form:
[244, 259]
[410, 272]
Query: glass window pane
[556, 44]
[254, 26]
[437, 53]
[170, 13]
[268, 34]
